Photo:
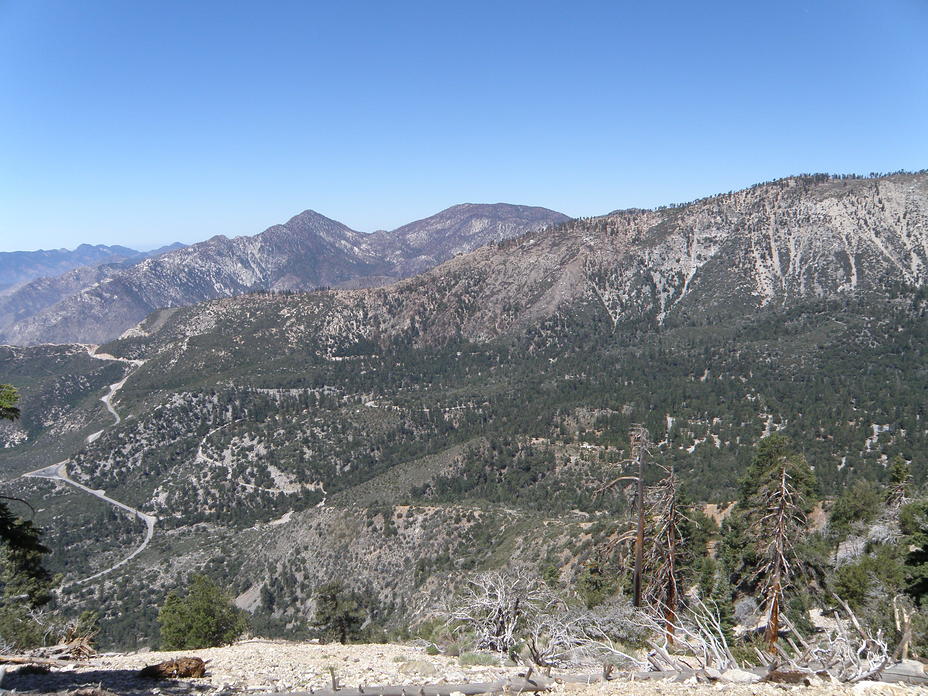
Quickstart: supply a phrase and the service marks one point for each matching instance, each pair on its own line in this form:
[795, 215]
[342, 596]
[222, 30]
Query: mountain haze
[18, 267]
[306, 252]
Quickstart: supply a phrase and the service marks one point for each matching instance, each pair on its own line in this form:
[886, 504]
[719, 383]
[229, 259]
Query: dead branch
[698, 633]
[847, 655]
[556, 638]
[499, 606]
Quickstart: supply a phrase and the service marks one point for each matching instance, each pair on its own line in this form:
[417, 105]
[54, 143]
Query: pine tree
[339, 615]
[900, 480]
[204, 617]
[24, 581]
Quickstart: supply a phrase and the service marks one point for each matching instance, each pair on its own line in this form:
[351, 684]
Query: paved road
[59, 472]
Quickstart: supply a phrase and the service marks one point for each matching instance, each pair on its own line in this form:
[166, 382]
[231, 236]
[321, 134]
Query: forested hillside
[466, 406]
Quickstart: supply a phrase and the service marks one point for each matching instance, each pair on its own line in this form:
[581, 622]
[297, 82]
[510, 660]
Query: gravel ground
[273, 666]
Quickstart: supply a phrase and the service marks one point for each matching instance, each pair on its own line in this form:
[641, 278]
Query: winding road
[59, 472]
[107, 398]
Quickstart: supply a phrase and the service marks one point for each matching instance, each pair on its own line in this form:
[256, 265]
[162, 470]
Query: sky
[152, 121]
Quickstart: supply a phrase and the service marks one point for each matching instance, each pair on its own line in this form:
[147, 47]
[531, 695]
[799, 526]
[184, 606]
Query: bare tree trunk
[773, 617]
[639, 537]
[783, 518]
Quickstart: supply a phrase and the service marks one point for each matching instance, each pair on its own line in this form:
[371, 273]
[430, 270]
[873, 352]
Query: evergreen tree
[8, 399]
[775, 497]
[204, 617]
[24, 581]
[900, 480]
[339, 615]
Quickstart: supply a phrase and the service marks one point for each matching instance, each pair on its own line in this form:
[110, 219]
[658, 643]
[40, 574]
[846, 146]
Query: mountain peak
[310, 216]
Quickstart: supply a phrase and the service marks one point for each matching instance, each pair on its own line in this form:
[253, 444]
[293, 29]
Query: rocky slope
[308, 251]
[791, 240]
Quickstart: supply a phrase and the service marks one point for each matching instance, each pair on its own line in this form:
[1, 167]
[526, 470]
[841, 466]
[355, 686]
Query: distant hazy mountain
[309, 251]
[21, 266]
[19, 302]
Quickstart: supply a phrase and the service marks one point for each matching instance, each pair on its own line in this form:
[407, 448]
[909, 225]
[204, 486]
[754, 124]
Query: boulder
[778, 676]
[906, 671]
[421, 668]
[740, 676]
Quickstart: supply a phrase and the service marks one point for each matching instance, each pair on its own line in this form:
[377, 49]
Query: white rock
[739, 676]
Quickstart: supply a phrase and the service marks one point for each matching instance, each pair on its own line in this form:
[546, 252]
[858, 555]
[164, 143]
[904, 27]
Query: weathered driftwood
[29, 660]
[668, 674]
[514, 685]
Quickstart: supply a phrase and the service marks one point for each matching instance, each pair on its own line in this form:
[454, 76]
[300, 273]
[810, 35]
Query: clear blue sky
[147, 121]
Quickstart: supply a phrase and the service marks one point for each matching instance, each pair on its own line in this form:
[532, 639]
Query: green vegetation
[8, 399]
[478, 659]
[339, 614]
[226, 434]
[24, 582]
[204, 617]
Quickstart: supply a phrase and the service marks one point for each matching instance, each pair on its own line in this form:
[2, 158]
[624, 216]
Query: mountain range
[18, 267]
[463, 418]
[96, 304]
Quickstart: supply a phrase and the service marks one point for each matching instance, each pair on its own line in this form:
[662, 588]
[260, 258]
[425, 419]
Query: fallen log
[27, 660]
[514, 685]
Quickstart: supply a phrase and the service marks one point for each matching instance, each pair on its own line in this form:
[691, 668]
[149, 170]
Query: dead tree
[570, 632]
[640, 440]
[499, 606]
[666, 548]
[902, 617]
[848, 652]
[699, 634]
[782, 522]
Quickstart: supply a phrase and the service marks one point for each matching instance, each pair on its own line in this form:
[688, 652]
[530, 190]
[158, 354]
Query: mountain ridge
[19, 267]
[795, 237]
[308, 251]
